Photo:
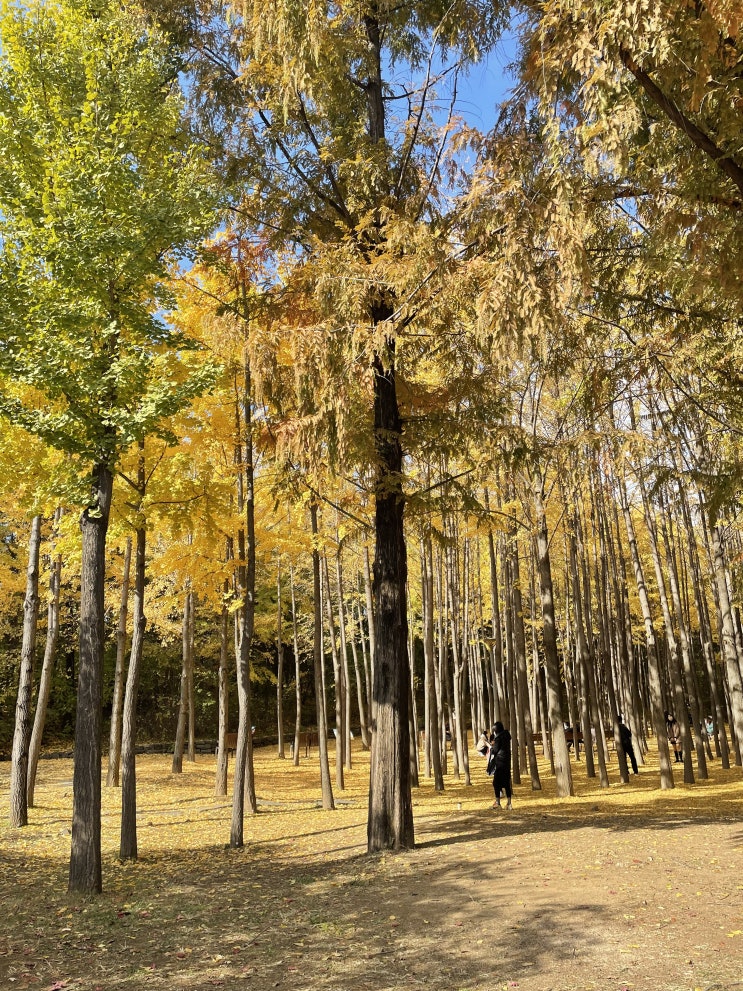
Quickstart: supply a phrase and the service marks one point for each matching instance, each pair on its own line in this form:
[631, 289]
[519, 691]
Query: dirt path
[625, 888]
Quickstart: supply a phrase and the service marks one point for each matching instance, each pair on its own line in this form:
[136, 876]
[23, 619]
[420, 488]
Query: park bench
[570, 737]
[422, 740]
[308, 740]
[230, 741]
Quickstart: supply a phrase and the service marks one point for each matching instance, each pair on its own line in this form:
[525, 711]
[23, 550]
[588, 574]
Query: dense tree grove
[322, 406]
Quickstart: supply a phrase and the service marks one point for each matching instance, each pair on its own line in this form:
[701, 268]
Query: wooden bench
[570, 737]
[422, 740]
[307, 740]
[230, 741]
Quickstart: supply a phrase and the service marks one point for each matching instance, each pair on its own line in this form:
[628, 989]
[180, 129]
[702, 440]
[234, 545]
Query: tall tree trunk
[117, 702]
[191, 695]
[85, 855]
[674, 667]
[47, 669]
[656, 698]
[279, 663]
[223, 697]
[372, 633]
[343, 661]
[390, 821]
[563, 773]
[128, 844]
[705, 633]
[297, 672]
[176, 766]
[244, 781]
[519, 638]
[22, 730]
[685, 644]
[433, 748]
[359, 683]
[320, 710]
[337, 678]
[729, 652]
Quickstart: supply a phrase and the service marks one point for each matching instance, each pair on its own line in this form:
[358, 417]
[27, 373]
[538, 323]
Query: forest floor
[625, 888]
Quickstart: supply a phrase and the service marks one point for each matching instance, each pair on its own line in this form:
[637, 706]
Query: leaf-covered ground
[630, 888]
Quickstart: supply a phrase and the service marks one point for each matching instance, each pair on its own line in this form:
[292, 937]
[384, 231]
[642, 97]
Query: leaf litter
[622, 889]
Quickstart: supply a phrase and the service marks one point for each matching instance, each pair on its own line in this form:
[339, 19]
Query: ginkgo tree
[100, 183]
[340, 145]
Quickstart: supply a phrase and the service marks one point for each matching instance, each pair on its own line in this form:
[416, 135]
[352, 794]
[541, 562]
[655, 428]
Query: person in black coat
[499, 763]
[626, 735]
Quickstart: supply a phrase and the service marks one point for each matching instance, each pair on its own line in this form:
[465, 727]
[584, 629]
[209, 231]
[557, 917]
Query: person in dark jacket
[499, 764]
[626, 736]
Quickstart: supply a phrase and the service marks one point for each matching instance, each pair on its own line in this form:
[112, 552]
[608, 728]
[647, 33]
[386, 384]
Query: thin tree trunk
[656, 698]
[519, 636]
[223, 698]
[117, 702]
[279, 663]
[22, 730]
[433, 748]
[128, 845]
[563, 773]
[321, 714]
[337, 678]
[180, 730]
[47, 669]
[372, 633]
[244, 779]
[191, 696]
[297, 672]
[343, 662]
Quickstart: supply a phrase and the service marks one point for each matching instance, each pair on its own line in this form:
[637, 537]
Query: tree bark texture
[47, 669]
[22, 729]
[85, 856]
[117, 702]
[128, 840]
[390, 821]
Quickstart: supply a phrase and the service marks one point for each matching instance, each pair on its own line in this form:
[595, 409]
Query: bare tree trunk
[371, 629]
[180, 730]
[656, 698]
[359, 685]
[343, 666]
[390, 821]
[244, 781]
[191, 696]
[691, 693]
[223, 699]
[22, 730]
[85, 855]
[117, 702]
[297, 673]
[519, 638]
[280, 663]
[47, 669]
[337, 678]
[128, 844]
[729, 652]
[433, 748]
[321, 715]
[586, 662]
[673, 658]
[563, 773]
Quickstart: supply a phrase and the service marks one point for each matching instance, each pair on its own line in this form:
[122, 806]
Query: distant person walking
[673, 732]
[626, 736]
[499, 764]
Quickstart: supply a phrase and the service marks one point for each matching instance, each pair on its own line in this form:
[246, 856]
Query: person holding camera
[499, 764]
